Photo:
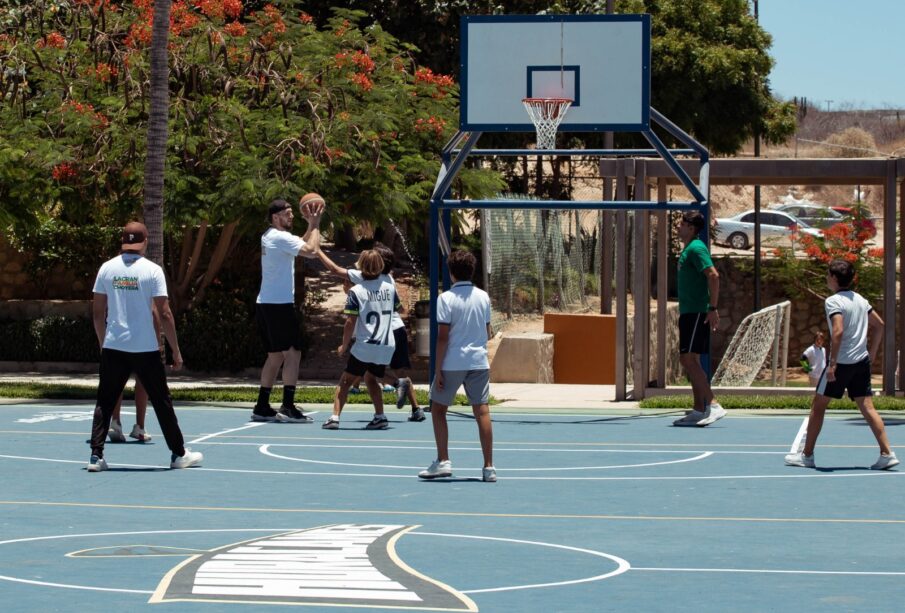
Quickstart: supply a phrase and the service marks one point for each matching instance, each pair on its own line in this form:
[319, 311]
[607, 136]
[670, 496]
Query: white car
[814, 215]
[776, 228]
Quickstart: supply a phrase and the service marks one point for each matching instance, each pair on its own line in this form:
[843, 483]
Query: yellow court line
[800, 520]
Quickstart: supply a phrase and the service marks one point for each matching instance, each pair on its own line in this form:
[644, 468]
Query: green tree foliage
[710, 58]
[263, 103]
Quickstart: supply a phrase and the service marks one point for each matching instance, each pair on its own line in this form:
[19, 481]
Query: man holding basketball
[275, 309]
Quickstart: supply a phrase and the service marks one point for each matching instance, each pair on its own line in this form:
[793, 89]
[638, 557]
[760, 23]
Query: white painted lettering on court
[327, 562]
[58, 416]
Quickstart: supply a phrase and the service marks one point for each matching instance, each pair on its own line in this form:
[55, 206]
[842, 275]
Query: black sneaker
[417, 415]
[291, 415]
[379, 422]
[263, 414]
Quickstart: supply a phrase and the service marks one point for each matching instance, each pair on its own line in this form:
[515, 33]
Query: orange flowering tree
[803, 270]
[263, 104]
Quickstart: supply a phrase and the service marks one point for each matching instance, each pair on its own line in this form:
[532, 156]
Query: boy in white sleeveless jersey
[851, 320]
[369, 320]
[397, 375]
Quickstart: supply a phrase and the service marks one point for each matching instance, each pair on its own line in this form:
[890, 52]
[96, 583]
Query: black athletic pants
[116, 367]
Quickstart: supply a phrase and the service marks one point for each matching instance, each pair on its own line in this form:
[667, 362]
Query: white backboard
[601, 62]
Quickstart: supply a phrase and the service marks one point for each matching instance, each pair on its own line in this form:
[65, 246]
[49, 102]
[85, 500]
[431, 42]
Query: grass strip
[755, 401]
[245, 394]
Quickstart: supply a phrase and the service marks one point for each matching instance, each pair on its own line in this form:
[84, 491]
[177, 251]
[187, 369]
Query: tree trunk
[157, 131]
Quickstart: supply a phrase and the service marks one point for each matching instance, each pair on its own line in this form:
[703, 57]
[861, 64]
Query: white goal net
[761, 337]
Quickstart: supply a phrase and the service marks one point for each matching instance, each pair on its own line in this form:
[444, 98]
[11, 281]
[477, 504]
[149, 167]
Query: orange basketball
[310, 197]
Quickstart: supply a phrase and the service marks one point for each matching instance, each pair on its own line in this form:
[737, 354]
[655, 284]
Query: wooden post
[663, 233]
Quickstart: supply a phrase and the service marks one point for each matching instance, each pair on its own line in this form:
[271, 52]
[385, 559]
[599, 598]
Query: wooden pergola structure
[645, 172]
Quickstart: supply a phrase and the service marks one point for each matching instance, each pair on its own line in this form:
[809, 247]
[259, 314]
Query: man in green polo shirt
[699, 290]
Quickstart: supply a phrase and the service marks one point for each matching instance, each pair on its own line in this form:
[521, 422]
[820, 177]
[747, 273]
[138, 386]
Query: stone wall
[17, 283]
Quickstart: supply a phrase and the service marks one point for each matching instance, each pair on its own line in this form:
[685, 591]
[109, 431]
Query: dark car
[859, 217]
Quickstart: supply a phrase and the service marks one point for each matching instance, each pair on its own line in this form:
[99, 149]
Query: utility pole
[828, 103]
[757, 237]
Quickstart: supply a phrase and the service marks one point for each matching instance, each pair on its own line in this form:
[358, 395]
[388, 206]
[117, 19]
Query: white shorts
[476, 382]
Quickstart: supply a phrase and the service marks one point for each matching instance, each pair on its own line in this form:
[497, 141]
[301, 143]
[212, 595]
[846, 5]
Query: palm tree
[157, 130]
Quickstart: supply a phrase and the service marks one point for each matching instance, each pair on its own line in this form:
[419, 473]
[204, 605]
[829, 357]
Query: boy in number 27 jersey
[369, 313]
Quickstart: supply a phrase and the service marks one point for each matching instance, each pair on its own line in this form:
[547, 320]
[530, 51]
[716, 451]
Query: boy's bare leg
[866, 406]
[271, 368]
[815, 422]
[141, 404]
[485, 431]
[441, 430]
[341, 395]
[700, 386]
[376, 392]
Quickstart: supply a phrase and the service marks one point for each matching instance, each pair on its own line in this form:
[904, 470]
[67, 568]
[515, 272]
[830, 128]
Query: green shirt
[694, 293]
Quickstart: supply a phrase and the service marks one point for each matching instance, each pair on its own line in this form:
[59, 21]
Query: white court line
[265, 449]
[797, 445]
[245, 427]
[774, 571]
[621, 564]
[792, 473]
[74, 587]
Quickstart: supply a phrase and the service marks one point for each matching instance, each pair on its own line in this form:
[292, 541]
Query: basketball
[311, 198]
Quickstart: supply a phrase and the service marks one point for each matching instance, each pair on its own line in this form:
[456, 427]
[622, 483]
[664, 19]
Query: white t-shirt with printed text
[373, 302]
[130, 282]
[854, 309]
[466, 309]
[278, 252]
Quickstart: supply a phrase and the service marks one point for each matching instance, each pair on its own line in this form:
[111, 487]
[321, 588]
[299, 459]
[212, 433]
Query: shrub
[48, 339]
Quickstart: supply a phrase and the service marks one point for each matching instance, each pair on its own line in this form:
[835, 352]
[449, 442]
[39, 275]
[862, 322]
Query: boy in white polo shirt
[850, 318]
[128, 289]
[463, 318]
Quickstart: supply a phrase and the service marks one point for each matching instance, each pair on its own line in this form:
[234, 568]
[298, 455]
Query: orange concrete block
[584, 347]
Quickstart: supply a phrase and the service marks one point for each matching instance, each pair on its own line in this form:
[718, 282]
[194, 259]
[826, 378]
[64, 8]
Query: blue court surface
[592, 512]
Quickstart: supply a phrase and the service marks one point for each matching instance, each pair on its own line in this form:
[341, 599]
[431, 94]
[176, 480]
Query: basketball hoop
[546, 114]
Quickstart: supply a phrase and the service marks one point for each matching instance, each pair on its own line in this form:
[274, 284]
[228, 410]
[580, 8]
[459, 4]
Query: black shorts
[854, 377]
[278, 325]
[358, 368]
[401, 355]
[694, 333]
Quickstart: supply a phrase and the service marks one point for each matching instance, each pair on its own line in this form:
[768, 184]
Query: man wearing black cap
[275, 309]
[128, 289]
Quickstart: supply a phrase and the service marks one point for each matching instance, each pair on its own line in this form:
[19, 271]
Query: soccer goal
[761, 337]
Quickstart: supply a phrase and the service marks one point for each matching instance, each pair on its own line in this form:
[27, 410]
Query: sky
[839, 54]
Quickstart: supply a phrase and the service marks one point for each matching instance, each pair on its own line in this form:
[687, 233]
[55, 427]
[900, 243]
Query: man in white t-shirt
[367, 337]
[851, 320]
[463, 318]
[128, 290]
[813, 360]
[275, 308]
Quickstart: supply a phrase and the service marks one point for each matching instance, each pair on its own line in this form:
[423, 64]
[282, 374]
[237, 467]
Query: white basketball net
[546, 114]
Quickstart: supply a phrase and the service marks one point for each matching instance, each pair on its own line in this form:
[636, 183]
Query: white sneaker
[332, 423]
[714, 412]
[96, 464]
[885, 462]
[691, 419]
[438, 468]
[139, 434]
[116, 432]
[800, 459]
[488, 474]
[190, 458]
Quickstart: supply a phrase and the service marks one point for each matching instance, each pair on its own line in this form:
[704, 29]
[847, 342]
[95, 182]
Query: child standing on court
[369, 315]
[813, 360]
[850, 319]
[463, 318]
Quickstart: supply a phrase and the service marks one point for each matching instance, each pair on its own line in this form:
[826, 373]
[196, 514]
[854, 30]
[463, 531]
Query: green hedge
[219, 335]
